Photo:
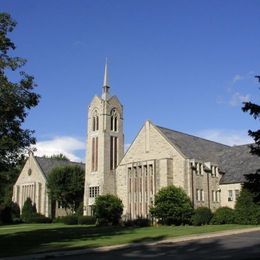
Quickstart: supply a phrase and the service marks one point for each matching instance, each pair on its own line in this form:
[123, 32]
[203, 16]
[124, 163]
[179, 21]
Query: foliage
[59, 156]
[66, 185]
[252, 183]
[108, 209]
[172, 206]
[7, 180]
[223, 215]
[254, 110]
[39, 218]
[9, 213]
[69, 220]
[16, 98]
[246, 210]
[87, 220]
[28, 211]
[202, 216]
[139, 222]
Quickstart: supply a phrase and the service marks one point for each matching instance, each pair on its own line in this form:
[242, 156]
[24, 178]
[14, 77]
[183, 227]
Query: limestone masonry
[210, 173]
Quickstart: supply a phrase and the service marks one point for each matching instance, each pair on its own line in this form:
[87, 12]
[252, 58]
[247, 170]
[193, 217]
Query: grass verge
[36, 238]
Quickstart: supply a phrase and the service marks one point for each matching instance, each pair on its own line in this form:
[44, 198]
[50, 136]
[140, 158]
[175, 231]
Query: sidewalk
[132, 245]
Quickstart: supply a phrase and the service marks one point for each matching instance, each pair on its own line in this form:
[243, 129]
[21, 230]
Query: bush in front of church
[28, 211]
[223, 215]
[172, 206]
[202, 216]
[108, 210]
[247, 211]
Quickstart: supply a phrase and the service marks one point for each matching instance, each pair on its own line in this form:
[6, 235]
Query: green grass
[35, 238]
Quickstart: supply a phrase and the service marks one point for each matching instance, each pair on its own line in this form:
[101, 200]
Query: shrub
[172, 206]
[5, 214]
[139, 222]
[246, 210]
[223, 215]
[202, 216]
[108, 209]
[142, 222]
[87, 220]
[9, 212]
[28, 211]
[69, 220]
[39, 218]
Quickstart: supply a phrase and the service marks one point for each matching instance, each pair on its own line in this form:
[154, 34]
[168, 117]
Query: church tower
[105, 145]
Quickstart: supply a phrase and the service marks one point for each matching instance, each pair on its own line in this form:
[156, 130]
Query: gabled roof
[194, 147]
[48, 164]
[236, 162]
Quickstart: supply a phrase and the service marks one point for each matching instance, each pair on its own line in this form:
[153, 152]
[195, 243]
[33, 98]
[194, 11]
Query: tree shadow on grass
[62, 238]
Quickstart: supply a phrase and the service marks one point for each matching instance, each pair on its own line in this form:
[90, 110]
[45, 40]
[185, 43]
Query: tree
[254, 110]
[28, 211]
[66, 185]
[172, 206]
[108, 209]
[60, 157]
[252, 183]
[246, 210]
[16, 98]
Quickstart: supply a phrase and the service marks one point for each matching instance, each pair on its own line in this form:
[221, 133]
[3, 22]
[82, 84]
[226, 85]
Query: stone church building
[209, 172]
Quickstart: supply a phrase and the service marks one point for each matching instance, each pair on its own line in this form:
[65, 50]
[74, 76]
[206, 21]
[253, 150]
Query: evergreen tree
[28, 211]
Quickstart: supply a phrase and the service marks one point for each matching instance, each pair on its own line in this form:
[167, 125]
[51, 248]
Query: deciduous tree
[66, 185]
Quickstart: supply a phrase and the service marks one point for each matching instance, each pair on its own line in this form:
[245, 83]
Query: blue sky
[185, 65]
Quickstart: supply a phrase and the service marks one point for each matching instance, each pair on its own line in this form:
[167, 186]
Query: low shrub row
[74, 220]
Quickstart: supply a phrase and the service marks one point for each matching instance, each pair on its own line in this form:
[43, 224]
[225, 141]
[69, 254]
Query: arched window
[114, 120]
[95, 121]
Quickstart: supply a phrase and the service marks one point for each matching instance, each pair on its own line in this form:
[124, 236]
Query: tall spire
[105, 94]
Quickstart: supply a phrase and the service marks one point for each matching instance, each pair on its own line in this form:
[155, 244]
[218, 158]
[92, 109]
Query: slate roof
[234, 161]
[47, 164]
[194, 147]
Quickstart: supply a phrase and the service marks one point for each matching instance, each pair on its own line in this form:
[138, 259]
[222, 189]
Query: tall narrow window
[114, 121]
[113, 152]
[95, 121]
[94, 154]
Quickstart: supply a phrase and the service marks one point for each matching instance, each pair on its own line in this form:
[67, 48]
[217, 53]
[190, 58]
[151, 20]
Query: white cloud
[236, 78]
[228, 137]
[237, 99]
[61, 144]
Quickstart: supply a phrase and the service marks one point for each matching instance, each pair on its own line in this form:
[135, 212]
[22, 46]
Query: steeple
[105, 94]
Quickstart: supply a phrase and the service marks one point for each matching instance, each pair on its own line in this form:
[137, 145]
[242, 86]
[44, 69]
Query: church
[210, 173]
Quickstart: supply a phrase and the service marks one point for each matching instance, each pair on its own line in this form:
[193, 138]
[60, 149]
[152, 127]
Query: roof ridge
[58, 160]
[228, 146]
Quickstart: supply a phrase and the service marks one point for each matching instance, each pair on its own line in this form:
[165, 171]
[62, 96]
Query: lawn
[35, 238]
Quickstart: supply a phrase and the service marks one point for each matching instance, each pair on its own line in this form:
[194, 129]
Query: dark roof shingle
[48, 164]
[234, 161]
[194, 147]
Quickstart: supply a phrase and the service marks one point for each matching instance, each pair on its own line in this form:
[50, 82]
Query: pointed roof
[48, 164]
[194, 147]
[105, 82]
[105, 94]
[236, 162]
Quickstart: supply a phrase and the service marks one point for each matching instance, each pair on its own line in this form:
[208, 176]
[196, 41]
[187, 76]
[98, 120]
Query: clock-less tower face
[105, 145]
